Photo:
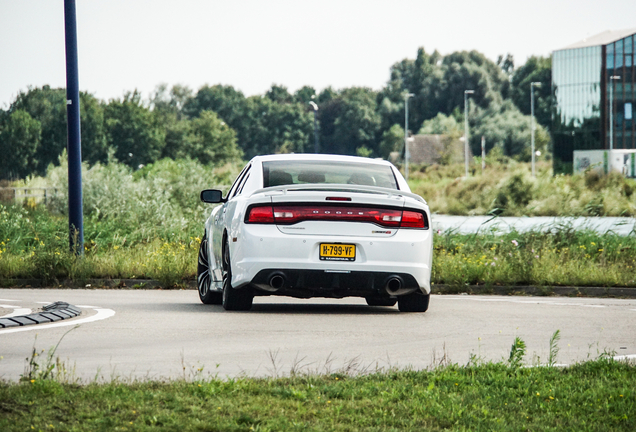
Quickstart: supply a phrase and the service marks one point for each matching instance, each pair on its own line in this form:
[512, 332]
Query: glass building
[593, 88]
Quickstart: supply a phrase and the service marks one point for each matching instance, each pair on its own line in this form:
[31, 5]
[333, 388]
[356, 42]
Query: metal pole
[483, 153]
[406, 133]
[74, 150]
[316, 145]
[466, 93]
[314, 106]
[611, 108]
[532, 126]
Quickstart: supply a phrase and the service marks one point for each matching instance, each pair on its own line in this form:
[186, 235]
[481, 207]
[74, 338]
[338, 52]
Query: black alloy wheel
[234, 299]
[204, 278]
[381, 301]
[414, 302]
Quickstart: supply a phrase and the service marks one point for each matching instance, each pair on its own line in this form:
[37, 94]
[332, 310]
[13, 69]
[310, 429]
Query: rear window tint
[279, 173]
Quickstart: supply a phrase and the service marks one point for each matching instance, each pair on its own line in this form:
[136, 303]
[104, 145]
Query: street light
[466, 93]
[532, 86]
[407, 96]
[611, 107]
[315, 108]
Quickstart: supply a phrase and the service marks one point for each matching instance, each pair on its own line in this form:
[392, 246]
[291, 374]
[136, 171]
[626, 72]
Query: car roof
[318, 157]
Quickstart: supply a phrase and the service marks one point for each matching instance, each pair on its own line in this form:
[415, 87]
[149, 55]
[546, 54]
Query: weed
[517, 353]
[50, 368]
[554, 348]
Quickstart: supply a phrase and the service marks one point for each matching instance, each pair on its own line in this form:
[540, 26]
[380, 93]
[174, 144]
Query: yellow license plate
[337, 252]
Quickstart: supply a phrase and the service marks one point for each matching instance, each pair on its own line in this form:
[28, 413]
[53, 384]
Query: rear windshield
[279, 173]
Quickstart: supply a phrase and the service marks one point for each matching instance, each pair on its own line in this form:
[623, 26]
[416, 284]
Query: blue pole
[74, 150]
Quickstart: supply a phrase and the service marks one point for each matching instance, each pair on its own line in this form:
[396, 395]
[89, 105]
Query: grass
[509, 189]
[34, 245]
[559, 258]
[147, 224]
[595, 395]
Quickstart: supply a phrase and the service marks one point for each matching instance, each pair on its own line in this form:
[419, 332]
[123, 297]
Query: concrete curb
[563, 291]
[567, 291]
[52, 312]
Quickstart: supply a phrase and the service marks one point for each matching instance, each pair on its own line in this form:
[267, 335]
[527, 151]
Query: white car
[307, 225]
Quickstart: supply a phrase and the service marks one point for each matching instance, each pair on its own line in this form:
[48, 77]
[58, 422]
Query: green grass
[561, 257]
[510, 190]
[34, 245]
[147, 224]
[597, 395]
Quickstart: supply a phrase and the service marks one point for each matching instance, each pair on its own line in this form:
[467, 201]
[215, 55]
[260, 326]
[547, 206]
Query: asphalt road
[139, 334]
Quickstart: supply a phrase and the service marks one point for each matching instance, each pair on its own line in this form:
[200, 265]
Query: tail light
[289, 215]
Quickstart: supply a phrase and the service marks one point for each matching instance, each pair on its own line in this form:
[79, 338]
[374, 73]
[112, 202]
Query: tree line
[219, 123]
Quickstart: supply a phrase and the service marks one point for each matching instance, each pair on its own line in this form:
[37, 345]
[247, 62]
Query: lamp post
[611, 107]
[483, 154]
[314, 106]
[407, 96]
[466, 93]
[74, 148]
[532, 86]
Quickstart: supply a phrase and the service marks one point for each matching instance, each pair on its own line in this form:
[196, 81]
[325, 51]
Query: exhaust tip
[277, 281]
[393, 285]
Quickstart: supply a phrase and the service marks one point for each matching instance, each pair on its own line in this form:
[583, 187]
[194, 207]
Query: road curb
[539, 291]
[52, 312]
[529, 290]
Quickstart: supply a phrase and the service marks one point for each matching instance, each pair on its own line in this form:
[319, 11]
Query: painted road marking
[100, 315]
[521, 301]
[625, 357]
[17, 312]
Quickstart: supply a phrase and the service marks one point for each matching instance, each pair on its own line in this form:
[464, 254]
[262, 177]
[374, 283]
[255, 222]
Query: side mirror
[212, 196]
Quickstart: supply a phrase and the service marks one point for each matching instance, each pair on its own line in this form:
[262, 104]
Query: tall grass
[510, 190]
[561, 257]
[148, 223]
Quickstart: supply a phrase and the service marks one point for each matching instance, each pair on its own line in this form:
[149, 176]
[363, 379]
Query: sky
[137, 44]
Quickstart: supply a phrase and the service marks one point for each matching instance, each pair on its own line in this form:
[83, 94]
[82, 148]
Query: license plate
[337, 252]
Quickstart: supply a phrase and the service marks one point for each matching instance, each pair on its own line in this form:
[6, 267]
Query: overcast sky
[128, 44]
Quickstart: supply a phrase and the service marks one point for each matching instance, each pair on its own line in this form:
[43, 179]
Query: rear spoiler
[284, 189]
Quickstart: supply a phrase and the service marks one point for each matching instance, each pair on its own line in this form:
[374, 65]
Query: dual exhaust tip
[394, 284]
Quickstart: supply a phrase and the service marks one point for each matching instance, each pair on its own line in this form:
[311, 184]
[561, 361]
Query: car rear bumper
[338, 284]
[263, 250]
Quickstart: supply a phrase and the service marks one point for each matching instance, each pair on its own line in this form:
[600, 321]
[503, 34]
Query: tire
[204, 278]
[381, 301]
[415, 302]
[234, 299]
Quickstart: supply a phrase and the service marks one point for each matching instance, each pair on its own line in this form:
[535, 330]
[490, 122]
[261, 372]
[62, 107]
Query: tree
[350, 121]
[167, 106]
[504, 126]
[471, 70]
[133, 131]
[228, 103]
[170, 102]
[48, 106]
[93, 134]
[442, 124]
[305, 94]
[19, 140]
[279, 94]
[536, 69]
[211, 140]
[392, 141]
[276, 127]
[506, 64]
